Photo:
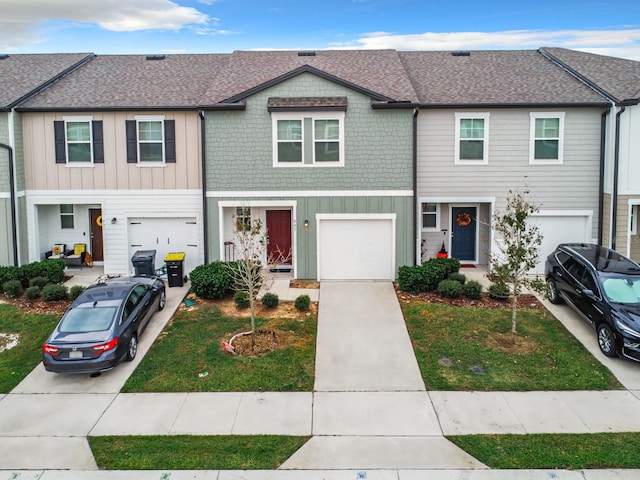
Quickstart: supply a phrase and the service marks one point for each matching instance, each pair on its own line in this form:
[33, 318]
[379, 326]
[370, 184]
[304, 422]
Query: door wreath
[463, 219]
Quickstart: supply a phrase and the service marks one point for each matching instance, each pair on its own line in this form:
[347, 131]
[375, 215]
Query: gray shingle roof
[618, 77]
[132, 81]
[378, 71]
[491, 78]
[22, 74]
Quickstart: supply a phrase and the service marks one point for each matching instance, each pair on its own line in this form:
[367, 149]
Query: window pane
[289, 129]
[149, 131]
[78, 132]
[79, 152]
[327, 151]
[471, 149]
[428, 208]
[66, 208]
[472, 128]
[290, 152]
[327, 130]
[547, 127]
[150, 152]
[546, 150]
[428, 221]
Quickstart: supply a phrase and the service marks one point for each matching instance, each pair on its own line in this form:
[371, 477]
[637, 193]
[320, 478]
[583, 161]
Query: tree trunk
[252, 307]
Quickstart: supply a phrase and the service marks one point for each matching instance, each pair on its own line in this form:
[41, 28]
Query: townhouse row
[357, 162]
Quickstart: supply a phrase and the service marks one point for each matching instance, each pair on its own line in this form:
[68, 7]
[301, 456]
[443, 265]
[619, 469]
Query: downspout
[12, 195]
[616, 161]
[416, 111]
[205, 219]
[603, 132]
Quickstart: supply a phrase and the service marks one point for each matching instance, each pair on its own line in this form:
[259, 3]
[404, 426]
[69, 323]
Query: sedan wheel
[606, 342]
[133, 348]
[552, 292]
[163, 300]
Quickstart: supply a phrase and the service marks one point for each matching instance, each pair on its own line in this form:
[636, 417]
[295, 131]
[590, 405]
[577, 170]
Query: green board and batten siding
[378, 162]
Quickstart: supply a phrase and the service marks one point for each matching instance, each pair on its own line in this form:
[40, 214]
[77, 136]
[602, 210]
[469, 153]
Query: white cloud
[623, 42]
[19, 19]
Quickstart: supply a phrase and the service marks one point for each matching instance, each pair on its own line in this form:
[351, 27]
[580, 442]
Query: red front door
[279, 234]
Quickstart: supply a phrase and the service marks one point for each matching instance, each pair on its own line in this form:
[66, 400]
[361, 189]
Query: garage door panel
[557, 229]
[356, 249]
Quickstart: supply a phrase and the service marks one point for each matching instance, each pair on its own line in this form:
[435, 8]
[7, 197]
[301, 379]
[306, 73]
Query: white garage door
[165, 235]
[356, 247]
[560, 228]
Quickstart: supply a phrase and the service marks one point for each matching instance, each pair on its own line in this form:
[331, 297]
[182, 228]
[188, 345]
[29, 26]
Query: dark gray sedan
[102, 326]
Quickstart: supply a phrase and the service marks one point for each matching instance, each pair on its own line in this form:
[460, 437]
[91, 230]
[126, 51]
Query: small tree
[249, 273]
[518, 249]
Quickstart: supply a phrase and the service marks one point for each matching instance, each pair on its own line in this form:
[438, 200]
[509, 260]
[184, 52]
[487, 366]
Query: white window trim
[150, 118]
[275, 116]
[533, 116]
[77, 119]
[437, 215]
[485, 151]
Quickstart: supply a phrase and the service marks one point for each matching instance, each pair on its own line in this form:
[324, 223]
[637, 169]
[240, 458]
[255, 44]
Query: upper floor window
[78, 141]
[472, 138]
[314, 139]
[430, 216]
[546, 137]
[151, 140]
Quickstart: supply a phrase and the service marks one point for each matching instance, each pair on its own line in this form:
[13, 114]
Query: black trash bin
[175, 270]
[144, 263]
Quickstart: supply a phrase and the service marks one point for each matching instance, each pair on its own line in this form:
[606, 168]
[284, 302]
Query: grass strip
[449, 341]
[33, 330]
[186, 452]
[187, 357]
[554, 451]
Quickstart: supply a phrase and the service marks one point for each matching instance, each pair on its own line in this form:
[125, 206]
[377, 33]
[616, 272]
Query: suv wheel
[552, 292]
[606, 342]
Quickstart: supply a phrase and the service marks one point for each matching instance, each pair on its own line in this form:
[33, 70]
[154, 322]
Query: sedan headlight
[626, 329]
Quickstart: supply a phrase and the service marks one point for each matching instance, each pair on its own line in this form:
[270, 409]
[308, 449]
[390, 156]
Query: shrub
[32, 292]
[212, 280]
[51, 292]
[8, 273]
[302, 303]
[499, 291]
[450, 288]
[12, 288]
[52, 270]
[472, 289]
[241, 299]
[458, 277]
[75, 291]
[426, 277]
[39, 282]
[411, 279]
[270, 300]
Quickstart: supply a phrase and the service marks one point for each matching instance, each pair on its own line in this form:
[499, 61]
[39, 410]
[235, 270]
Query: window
[313, 140]
[430, 216]
[151, 140]
[633, 224]
[472, 138]
[78, 141]
[243, 219]
[66, 216]
[547, 132]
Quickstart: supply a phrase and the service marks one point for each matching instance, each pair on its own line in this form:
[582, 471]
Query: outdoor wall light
[306, 223]
[114, 220]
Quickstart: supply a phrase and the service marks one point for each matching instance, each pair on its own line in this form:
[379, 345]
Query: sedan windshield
[622, 289]
[87, 319]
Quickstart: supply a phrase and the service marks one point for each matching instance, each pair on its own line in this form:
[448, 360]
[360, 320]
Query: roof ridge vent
[307, 53]
[461, 53]
[155, 57]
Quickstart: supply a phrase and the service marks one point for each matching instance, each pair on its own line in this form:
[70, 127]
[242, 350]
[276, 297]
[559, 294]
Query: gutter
[616, 168]
[205, 216]
[416, 111]
[603, 133]
[14, 221]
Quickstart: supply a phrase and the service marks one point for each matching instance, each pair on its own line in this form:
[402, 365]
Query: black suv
[604, 288]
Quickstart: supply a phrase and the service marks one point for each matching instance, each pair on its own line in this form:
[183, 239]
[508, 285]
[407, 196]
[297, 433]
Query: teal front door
[463, 233]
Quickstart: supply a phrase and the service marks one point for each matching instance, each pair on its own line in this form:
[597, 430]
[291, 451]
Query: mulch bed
[524, 300]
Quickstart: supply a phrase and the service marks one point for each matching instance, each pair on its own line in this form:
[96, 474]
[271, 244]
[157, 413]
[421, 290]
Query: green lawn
[190, 346]
[554, 451]
[185, 452]
[16, 363]
[545, 357]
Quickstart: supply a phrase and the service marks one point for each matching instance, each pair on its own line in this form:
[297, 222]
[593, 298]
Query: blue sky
[610, 27]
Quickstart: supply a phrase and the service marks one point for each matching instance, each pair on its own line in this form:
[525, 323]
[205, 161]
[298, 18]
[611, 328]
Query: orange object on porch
[443, 252]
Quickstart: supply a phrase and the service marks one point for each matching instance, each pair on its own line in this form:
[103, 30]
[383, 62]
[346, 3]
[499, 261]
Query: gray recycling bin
[144, 263]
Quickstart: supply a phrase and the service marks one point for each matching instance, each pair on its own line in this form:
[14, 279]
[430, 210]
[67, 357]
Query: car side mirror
[589, 293]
